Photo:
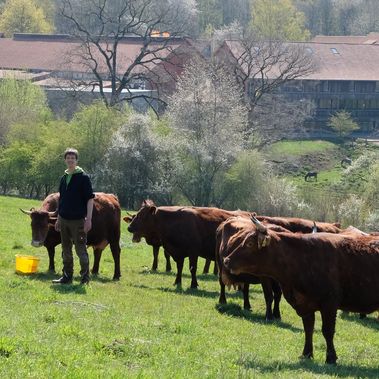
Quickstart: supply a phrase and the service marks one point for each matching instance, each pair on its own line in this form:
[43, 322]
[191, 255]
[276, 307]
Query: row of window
[335, 103]
[333, 86]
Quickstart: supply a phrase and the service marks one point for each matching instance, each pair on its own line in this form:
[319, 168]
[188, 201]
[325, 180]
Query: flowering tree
[210, 121]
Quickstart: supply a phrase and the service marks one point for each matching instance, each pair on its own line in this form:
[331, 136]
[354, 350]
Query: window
[364, 87]
[338, 86]
[325, 103]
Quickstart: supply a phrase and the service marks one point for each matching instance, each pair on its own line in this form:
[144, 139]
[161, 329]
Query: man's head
[71, 157]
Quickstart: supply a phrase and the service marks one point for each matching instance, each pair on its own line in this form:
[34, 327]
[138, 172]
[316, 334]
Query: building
[345, 77]
[57, 64]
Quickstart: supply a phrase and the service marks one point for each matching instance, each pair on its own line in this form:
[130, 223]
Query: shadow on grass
[69, 288]
[235, 310]
[179, 290]
[369, 322]
[203, 277]
[48, 276]
[339, 370]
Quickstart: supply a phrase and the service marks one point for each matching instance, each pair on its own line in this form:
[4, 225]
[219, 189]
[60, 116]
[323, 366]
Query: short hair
[72, 151]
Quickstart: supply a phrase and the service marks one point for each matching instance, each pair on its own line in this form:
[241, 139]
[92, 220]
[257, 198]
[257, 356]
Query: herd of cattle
[317, 266]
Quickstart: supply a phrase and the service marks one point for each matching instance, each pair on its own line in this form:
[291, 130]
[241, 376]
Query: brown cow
[226, 239]
[155, 244]
[105, 229]
[301, 225]
[270, 288]
[317, 272]
[182, 231]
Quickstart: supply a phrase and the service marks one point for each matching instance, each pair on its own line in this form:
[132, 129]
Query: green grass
[296, 148]
[143, 327]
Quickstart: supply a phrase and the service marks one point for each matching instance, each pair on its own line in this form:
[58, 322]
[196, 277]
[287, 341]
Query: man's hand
[57, 225]
[87, 225]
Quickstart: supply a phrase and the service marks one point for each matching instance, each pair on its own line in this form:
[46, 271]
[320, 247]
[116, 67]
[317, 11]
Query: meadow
[144, 327]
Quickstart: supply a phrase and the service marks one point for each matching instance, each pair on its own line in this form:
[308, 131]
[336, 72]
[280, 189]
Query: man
[74, 217]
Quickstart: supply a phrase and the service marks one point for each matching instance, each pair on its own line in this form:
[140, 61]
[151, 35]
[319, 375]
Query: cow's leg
[193, 269]
[206, 266]
[179, 265]
[222, 299]
[277, 296]
[309, 325]
[215, 269]
[328, 316]
[269, 298]
[168, 262]
[51, 252]
[96, 262]
[116, 250]
[246, 302]
[155, 260]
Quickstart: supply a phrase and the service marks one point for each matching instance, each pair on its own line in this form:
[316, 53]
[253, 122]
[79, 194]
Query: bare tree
[153, 28]
[261, 68]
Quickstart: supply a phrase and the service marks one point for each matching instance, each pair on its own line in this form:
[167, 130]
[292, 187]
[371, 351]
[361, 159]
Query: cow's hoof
[331, 362]
[331, 359]
[154, 268]
[168, 269]
[116, 278]
[306, 356]
[247, 309]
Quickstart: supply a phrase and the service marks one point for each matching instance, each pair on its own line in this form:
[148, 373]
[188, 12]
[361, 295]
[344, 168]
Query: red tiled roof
[347, 62]
[370, 39]
[61, 55]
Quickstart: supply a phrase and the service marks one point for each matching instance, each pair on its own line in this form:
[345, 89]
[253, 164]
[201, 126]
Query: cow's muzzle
[227, 262]
[136, 238]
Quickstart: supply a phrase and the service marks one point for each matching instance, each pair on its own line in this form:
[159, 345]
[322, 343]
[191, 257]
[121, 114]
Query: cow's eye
[249, 244]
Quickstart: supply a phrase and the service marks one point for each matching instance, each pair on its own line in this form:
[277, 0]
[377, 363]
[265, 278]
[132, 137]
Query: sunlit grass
[145, 327]
[301, 147]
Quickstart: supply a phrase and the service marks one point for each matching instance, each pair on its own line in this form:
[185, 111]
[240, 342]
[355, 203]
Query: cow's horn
[26, 212]
[314, 229]
[53, 214]
[258, 224]
[129, 214]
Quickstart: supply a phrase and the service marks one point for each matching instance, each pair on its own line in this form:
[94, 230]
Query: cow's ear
[263, 240]
[128, 219]
[153, 210]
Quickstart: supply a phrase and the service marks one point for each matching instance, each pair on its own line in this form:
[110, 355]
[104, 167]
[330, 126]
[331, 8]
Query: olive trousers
[72, 233]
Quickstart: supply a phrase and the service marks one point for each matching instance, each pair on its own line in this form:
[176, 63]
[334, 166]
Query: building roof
[333, 61]
[370, 39]
[61, 53]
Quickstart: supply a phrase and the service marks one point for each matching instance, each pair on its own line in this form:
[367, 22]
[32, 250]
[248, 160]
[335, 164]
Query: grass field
[143, 327]
[302, 147]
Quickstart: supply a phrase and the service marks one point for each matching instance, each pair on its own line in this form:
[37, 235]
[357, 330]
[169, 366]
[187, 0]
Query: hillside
[293, 159]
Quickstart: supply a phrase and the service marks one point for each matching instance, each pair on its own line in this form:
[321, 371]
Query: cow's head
[142, 224]
[250, 252]
[40, 224]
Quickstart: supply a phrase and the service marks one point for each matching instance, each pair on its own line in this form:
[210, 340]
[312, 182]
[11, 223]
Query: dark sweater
[74, 196]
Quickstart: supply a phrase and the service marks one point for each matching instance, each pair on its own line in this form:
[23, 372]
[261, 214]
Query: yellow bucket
[26, 264]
